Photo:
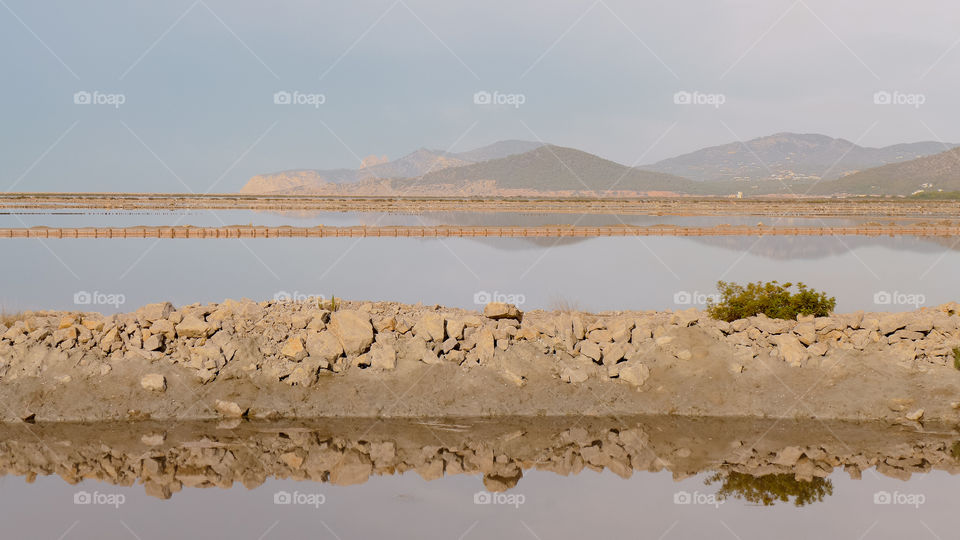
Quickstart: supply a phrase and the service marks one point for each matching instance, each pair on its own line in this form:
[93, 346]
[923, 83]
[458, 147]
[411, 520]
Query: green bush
[956, 357]
[771, 488]
[772, 299]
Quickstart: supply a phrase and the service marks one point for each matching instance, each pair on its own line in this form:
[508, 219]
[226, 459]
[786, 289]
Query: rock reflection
[758, 461]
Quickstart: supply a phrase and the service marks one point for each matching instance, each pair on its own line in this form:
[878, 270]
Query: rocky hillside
[787, 156]
[373, 168]
[939, 172]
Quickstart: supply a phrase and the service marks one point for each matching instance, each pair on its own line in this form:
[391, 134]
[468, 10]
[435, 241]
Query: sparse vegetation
[771, 488]
[7, 319]
[771, 298]
[956, 357]
[332, 305]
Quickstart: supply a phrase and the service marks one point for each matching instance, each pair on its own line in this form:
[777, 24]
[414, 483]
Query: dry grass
[7, 319]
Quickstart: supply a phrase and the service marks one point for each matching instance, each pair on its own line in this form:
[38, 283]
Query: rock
[324, 345]
[663, 340]
[685, 354]
[353, 329]
[193, 327]
[635, 373]
[229, 409]
[153, 343]
[790, 350]
[789, 456]
[614, 352]
[352, 468]
[574, 374]
[155, 312]
[154, 382]
[501, 310]
[430, 327]
[383, 357]
[891, 322]
[686, 317]
[163, 327]
[806, 332]
[818, 349]
[485, 345]
[294, 349]
[591, 350]
[915, 415]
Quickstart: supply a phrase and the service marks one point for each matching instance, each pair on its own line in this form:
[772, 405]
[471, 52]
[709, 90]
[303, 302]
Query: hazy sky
[197, 81]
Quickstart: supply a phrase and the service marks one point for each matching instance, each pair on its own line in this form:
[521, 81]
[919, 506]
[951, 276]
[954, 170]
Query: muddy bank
[298, 359]
[169, 457]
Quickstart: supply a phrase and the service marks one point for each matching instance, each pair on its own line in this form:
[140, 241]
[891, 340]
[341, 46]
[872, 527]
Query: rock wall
[244, 348]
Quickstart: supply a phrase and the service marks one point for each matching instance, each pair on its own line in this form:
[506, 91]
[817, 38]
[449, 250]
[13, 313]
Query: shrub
[7, 319]
[772, 299]
[956, 357]
[771, 488]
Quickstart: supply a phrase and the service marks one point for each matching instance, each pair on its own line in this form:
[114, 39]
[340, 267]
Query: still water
[881, 274]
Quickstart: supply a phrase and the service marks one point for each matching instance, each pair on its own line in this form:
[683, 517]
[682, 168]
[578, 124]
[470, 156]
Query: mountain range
[780, 164]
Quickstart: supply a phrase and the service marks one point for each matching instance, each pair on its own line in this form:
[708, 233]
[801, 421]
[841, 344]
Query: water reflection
[758, 461]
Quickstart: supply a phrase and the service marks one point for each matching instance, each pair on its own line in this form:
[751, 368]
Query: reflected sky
[590, 274]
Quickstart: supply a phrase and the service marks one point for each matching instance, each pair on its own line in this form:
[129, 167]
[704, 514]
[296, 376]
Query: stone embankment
[170, 457]
[297, 359]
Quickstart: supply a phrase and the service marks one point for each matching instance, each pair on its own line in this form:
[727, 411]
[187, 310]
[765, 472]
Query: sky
[192, 95]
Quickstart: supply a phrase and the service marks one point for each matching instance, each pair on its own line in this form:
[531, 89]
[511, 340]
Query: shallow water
[881, 274]
[677, 499]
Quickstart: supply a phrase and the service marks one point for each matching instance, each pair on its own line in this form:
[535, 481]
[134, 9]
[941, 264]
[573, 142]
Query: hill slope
[556, 168]
[788, 156]
[930, 174]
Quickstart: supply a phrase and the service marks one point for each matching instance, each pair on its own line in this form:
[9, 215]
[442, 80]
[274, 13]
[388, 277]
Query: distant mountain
[788, 157]
[939, 172]
[555, 168]
[412, 165]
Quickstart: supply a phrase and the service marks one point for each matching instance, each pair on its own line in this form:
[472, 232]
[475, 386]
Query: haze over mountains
[788, 156]
[784, 163]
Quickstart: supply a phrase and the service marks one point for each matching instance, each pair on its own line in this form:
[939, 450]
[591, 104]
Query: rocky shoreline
[362, 359]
